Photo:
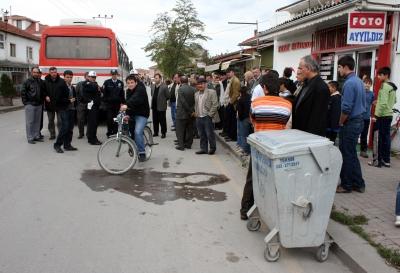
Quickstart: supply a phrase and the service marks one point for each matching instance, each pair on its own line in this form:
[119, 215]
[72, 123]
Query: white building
[19, 51]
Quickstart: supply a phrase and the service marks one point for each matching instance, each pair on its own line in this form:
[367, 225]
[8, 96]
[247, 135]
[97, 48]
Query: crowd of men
[201, 104]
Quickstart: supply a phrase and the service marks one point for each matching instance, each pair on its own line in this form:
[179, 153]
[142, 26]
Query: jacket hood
[48, 77]
[392, 85]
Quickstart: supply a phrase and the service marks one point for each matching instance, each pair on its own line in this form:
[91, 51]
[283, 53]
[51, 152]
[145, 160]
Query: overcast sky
[133, 19]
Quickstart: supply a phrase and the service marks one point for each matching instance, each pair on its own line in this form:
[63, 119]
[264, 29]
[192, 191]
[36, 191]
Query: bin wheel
[268, 255]
[322, 253]
[253, 224]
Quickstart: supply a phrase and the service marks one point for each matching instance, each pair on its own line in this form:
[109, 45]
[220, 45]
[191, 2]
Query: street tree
[7, 89]
[174, 37]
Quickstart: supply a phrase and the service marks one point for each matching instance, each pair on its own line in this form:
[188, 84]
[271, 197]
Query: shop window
[13, 50]
[364, 64]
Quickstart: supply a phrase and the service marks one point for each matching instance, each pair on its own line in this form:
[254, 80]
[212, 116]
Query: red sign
[367, 20]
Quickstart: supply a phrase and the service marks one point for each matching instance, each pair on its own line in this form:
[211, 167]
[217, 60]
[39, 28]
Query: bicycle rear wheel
[117, 155]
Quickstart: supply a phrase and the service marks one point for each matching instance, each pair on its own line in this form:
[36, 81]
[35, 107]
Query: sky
[132, 20]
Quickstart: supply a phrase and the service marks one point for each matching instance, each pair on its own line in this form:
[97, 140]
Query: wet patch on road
[230, 256]
[158, 187]
[179, 161]
[165, 163]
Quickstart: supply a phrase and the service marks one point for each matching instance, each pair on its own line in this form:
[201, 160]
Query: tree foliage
[175, 37]
[7, 88]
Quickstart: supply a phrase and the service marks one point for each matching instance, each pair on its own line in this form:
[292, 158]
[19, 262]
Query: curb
[362, 260]
[11, 109]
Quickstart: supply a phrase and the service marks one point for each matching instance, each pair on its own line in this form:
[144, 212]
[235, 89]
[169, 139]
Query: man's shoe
[95, 143]
[70, 148]
[163, 136]
[38, 139]
[52, 137]
[173, 129]
[243, 216]
[188, 147]
[373, 163]
[387, 165]
[80, 136]
[31, 142]
[41, 136]
[340, 189]
[58, 149]
[179, 148]
[397, 222]
[211, 152]
[364, 154]
[360, 190]
[155, 135]
[201, 152]
[142, 157]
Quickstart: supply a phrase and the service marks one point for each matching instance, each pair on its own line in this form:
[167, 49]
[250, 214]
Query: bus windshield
[78, 48]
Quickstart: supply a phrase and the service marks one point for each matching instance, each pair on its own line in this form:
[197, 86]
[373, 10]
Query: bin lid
[280, 142]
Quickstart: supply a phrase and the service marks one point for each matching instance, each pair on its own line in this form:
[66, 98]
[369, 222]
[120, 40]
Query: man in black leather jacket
[32, 95]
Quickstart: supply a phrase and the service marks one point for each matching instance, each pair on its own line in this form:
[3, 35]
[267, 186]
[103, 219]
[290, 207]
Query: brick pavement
[377, 203]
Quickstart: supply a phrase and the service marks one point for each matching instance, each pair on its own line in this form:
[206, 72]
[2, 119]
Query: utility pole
[105, 17]
[247, 23]
[250, 23]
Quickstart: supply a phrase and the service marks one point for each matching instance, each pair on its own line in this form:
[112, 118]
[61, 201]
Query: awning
[243, 60]
[212, 67]
[225, 65]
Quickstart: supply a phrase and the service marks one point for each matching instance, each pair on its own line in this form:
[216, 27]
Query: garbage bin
[295, 175]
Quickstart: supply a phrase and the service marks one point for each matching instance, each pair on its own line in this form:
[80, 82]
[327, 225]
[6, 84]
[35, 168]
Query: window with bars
[1, 41]
[29, 53]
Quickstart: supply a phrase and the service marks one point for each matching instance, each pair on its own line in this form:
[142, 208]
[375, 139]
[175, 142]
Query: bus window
[78, 48]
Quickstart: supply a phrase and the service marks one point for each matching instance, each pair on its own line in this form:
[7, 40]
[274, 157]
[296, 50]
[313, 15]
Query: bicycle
[119, 153]
[394, 133]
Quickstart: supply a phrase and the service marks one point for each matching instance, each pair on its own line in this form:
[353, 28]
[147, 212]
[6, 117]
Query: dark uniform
[90, 92]
[113, 97]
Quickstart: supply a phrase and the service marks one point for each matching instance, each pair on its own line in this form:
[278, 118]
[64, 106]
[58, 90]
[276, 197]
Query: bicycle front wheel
[117, 155]
[149, 135]
[147, 144]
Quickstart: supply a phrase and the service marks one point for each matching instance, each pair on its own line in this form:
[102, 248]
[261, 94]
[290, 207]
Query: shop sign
[366, 28]
[294, 46]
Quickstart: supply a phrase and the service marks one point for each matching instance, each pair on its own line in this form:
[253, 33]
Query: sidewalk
[17, 106]
[377, 203]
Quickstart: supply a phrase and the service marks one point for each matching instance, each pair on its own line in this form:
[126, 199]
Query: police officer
[91, 95]
[113, 97]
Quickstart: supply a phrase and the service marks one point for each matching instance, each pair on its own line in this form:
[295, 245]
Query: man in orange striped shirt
[269, 112]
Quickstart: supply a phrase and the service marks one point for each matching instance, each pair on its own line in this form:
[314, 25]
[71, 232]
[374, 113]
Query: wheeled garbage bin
[295, 175]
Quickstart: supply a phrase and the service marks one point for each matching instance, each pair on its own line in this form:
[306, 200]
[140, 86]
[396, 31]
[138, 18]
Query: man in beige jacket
[206, 112]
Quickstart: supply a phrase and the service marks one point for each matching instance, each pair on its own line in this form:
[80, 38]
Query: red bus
[82, 46]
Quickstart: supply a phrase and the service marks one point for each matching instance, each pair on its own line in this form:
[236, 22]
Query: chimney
[37, 26]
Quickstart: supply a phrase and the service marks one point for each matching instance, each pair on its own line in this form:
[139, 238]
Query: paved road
[176, 213]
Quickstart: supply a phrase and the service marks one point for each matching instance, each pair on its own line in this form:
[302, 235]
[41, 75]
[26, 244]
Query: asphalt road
[178, 212]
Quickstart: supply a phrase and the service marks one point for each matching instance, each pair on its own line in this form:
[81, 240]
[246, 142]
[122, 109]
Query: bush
[7, 88]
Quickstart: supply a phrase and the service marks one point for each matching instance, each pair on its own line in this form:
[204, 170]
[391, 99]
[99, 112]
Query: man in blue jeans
[351, 123]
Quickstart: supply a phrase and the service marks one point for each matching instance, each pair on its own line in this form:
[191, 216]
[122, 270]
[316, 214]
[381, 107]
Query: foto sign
[366, 28]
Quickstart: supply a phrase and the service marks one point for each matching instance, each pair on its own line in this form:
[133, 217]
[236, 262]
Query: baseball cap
[201, 80]
[92, 74]
[114, 71]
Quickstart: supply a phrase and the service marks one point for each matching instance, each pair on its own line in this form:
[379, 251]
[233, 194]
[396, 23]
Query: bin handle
[304, 204]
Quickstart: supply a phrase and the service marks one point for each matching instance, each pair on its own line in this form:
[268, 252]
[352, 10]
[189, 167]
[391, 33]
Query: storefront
[321, 30]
